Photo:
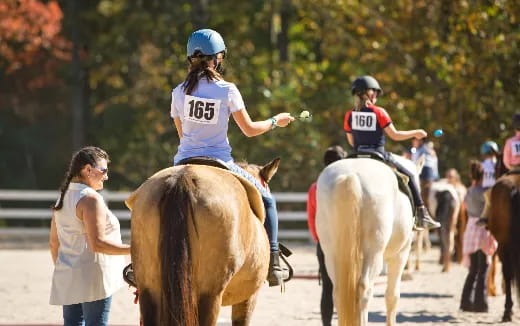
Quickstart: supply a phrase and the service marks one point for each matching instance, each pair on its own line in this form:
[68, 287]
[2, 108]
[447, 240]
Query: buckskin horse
[503, 213]
[362, 220]
[198, 242]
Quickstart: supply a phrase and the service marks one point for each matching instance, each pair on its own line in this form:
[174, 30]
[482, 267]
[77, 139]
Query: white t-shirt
[488, 165]
[80, 274]
[205, 116]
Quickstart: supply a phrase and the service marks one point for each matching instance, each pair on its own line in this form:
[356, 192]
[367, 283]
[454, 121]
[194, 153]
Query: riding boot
[276, 274]
[424, 220]
[480, 303]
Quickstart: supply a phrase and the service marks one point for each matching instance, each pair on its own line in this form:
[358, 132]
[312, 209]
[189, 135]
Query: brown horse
[198, 242]
[503, 212]
[444, 204]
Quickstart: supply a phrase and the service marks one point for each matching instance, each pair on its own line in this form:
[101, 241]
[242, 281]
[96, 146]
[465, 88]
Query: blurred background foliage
[101, 72]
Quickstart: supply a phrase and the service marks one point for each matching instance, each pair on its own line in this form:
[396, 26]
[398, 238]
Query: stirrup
[128, 275]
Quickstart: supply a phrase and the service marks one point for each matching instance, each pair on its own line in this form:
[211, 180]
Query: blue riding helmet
[207, 41]
[489, 147]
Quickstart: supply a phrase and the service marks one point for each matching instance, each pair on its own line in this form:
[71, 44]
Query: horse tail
[514, 231]
[178, 303]
[348, 195]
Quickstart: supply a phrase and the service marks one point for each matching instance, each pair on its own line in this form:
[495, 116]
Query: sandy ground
[431, 298]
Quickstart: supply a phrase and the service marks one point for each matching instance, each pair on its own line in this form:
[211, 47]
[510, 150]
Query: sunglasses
[102, 170]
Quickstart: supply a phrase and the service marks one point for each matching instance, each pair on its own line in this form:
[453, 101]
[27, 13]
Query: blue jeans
[93, 313]
[271, 214]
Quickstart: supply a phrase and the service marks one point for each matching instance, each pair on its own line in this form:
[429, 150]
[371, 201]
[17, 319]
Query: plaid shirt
[478, 238]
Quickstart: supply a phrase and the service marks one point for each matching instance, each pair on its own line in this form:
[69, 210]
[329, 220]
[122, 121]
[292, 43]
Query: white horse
[362, 220]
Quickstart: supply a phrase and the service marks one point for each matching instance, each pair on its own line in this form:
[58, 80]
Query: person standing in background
[332, 154]
[430, 171]
[85, 243]
[489, 150]
[479, 246]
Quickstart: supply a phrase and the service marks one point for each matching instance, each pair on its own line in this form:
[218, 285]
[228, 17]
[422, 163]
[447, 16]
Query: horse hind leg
[148, 308]
[209, 308]
[393, 289]
[507, 273]
[241, 312]
[372, 265]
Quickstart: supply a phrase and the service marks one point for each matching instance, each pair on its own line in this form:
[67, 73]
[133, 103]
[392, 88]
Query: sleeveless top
[80, 274]
[204, 117]
[367, 126]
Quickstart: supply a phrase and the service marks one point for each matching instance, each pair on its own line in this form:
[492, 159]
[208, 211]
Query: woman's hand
[283, 119]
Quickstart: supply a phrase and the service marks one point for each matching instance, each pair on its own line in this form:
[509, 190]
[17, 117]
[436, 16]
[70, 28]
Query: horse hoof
[506, 318]
[406, 277]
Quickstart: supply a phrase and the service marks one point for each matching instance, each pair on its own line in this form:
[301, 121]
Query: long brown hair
[200, 68]
[86, 155]
[476, 170]
[360, 100]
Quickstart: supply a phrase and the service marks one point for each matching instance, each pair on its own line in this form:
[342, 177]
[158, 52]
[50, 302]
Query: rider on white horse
[366, 125]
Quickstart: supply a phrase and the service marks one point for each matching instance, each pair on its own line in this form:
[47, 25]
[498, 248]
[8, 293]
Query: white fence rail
[20, 213]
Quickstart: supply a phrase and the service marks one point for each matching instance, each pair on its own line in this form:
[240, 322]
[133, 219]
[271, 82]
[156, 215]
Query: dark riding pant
[326, 303]
[475, 284]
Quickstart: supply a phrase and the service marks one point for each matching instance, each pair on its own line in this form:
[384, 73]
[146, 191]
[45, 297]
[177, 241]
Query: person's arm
[506, 158]
[252, 128]
[54, 242]
[178, 125]
[311, 211]
[350, 139]
[399, 135]
[92, 210]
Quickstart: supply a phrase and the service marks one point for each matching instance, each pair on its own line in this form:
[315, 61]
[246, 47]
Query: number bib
[201, 110]
[364, 121]
[515, 148]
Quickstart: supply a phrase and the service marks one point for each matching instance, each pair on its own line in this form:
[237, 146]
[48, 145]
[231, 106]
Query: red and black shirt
[366, 126]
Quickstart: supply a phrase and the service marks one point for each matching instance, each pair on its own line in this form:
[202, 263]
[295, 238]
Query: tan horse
[198, 242]
[503, 212]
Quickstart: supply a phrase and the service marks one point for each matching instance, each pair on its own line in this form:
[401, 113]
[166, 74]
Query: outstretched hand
[420, 134]
[283, 119]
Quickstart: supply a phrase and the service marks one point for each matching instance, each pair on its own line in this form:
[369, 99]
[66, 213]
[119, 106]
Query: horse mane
[500, 167]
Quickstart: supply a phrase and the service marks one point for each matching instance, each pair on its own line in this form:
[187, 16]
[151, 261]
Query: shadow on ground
[417, 317]
[419, 295]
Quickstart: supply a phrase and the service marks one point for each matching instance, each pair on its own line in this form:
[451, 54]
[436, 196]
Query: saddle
[402, 179]
[204, 160]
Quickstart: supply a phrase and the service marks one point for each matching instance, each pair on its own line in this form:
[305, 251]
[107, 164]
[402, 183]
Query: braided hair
[86, 155]
[200, 68]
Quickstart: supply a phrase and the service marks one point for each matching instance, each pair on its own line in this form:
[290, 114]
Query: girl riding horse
[201, 107]
[366, 126]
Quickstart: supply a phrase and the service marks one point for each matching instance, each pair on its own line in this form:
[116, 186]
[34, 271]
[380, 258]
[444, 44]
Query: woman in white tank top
[85, 243]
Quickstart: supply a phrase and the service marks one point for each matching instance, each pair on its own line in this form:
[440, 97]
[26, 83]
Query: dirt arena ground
[430, 298]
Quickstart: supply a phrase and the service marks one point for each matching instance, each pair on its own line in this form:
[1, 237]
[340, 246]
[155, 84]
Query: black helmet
[365, 82]
[516, 121]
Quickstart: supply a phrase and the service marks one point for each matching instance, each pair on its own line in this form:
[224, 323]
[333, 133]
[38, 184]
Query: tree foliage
[444, 64]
